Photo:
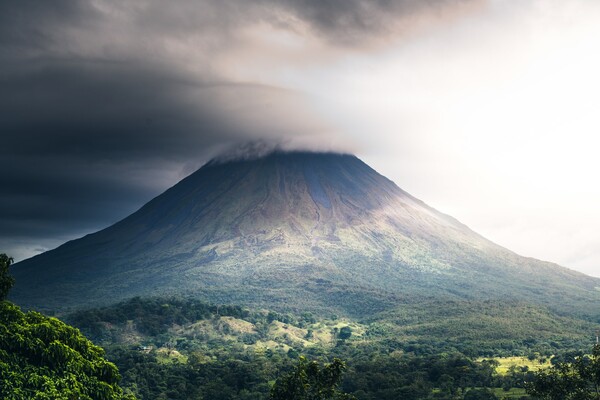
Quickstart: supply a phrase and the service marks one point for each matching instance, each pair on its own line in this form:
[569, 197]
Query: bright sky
[492, 117]
[496, 121]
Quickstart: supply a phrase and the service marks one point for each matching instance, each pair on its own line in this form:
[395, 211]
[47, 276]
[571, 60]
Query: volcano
[297, 230]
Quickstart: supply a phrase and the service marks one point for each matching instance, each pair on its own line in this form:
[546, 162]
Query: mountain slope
[293, 230]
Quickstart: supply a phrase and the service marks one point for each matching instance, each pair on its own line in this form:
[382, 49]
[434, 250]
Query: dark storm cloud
[354, 22]
[78, 134]
[104, 103]
[347, 22]
[120, 110]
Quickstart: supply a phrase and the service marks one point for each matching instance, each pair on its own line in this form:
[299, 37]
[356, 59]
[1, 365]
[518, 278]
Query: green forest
[43, 358]
[184, 348]
[170, 348]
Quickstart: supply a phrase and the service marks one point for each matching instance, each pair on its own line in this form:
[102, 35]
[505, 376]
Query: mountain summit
[287, 230]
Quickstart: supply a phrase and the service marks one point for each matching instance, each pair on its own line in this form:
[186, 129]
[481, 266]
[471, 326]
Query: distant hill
[299, 231]
[469, 327]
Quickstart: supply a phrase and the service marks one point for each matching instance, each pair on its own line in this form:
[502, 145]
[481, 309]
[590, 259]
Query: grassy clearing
[169, 356]
[506, 363]
[514, 393]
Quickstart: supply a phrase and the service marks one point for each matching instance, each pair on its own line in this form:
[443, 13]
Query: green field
[516, 362]
[514, 393]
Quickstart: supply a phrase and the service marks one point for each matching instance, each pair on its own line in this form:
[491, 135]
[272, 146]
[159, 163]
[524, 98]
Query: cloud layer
[106, 103]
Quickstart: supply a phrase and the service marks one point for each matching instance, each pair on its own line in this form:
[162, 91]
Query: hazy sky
[486, 110]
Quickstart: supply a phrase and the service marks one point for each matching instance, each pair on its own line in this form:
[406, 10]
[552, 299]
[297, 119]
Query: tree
[576, 380]
[44, 358]
[6, 281]
[345, 333]
[311, 381]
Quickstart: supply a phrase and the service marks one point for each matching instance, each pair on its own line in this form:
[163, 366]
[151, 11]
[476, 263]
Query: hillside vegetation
[43, 358]
[185, 348]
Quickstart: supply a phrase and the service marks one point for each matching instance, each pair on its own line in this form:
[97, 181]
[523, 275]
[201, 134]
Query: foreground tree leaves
[6, 281]
[311, 381]
[44, 358]
[576, 380]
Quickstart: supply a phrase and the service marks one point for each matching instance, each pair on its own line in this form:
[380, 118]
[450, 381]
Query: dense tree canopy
[311, 381]
[578, 379]
[6, 281]
[188, 349]
[43, 358]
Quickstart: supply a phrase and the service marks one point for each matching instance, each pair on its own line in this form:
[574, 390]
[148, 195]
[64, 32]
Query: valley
[415, 353]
